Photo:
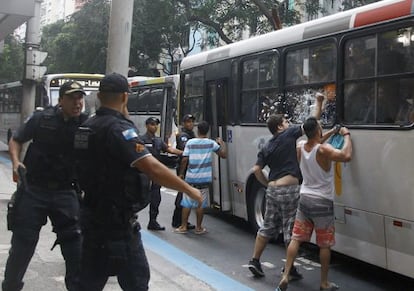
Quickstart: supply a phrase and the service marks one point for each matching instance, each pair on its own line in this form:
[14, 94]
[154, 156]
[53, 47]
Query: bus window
[260, 93]
[360, 57]
[193, 99]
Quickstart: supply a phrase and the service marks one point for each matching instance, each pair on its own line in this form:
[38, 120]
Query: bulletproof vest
[113, 191]
[49, 158]
[182, 138]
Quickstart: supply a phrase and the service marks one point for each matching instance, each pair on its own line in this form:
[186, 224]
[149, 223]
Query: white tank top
[316, 181]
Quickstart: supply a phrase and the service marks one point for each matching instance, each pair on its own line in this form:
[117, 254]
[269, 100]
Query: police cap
[152, 120]
[114, 83]
[188, 117]
[70, 87]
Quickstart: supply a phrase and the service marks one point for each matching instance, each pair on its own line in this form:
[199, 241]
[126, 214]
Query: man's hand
[319, 97]
[16, 172]
[196, 195]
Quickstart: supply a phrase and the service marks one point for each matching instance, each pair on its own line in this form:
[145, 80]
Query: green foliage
[11, 60]
[349, 4]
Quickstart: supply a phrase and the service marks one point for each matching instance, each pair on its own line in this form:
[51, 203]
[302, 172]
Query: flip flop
[282, 286]
[200, 231]
[180, 230]
[332, 287]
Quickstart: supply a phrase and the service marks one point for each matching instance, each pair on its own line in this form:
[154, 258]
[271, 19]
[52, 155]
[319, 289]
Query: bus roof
[358, 17]
[143, 81]
[72, 75]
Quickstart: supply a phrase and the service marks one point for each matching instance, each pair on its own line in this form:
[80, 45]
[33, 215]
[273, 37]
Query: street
[214, 261]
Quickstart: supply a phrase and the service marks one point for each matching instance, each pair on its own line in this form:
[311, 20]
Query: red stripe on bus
[383, 13]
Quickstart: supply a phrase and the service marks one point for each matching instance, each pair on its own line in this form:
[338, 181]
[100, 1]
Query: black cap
[70, 87]
[188, 117]
[152, 120]
[114, 83]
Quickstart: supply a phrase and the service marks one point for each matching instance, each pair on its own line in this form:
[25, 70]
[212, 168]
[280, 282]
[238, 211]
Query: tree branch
[213, 25]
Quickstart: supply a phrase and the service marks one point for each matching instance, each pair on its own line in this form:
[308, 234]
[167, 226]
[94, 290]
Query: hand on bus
[319, 97]
[219, 141]
[15, 171]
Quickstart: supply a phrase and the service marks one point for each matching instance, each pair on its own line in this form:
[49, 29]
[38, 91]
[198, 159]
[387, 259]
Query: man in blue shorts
[315, 210]
[198, 156]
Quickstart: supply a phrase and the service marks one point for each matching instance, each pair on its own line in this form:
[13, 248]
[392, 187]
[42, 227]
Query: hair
[203, 127]
[274, 121]
[311, 126]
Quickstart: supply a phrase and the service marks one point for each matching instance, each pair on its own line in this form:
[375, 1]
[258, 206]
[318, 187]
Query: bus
[157, 97]
[47, 94]
[363, 61]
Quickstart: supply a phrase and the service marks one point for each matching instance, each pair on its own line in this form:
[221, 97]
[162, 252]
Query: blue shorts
[188, 202]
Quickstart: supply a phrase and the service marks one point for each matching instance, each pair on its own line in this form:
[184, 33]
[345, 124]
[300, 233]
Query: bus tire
[256, 205]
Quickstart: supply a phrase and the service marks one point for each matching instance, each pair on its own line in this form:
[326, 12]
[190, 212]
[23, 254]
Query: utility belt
[201, 186]
[51, 185]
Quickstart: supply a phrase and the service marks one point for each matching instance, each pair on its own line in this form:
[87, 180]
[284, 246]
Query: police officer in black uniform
[182, 138]
[115, 186]
[155, 146]
[49, 190]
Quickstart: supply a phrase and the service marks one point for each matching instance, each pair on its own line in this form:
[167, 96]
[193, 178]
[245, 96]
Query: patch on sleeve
[129, 134]
[139, 147]
[184, 138]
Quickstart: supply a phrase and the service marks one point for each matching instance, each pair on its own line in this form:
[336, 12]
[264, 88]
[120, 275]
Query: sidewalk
[46, 270]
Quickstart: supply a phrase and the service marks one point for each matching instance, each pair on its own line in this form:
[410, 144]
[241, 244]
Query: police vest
[113, 191]
[50, 157]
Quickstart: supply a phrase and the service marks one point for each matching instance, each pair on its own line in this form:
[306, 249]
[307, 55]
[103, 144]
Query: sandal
[332, 287]
[180, 230]
[200, 231]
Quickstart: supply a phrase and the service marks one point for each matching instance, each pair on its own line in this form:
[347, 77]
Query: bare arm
[183, 166]
[161, 175]
[319, 100]
[257, 170]
[222, 152]
[15, 149]
[172, 150]
[342, 155]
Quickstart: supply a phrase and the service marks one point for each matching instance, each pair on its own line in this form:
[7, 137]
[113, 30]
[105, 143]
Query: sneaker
[256, 268]
[154, 225]
[293, 274]
[190, 226]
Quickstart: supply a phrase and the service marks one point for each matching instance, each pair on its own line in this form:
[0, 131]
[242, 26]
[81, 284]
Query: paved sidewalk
[46, 270]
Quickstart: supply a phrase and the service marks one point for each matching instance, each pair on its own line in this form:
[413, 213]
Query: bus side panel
[361, 236]
[400, 248]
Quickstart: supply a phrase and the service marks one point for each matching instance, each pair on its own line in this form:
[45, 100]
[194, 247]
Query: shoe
[293, 274]
[190, 226]
[332, 287]
[282, 287]
[180, 230]
[200, 231]
[256, 268]
[153, 225]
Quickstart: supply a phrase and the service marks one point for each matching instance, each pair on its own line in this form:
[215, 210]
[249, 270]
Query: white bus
[364, 61]
[47, 94]
[157, 97]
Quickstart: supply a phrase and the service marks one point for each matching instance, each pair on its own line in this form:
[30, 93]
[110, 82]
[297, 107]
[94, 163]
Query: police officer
[182, 138]
[155, 146]
[114, 192]
[49, 191]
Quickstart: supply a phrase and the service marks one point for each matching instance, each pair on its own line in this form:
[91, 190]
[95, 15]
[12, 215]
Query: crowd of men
[91, 176]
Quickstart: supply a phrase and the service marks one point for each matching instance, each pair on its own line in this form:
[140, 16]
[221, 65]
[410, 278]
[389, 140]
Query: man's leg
[185, 215]
[177, 215]
[291, 253]
[23, 245]
[154, 208]
[200, 214]
[325, 258]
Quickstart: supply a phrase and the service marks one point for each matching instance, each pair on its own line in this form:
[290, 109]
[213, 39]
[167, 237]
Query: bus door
[216, 115]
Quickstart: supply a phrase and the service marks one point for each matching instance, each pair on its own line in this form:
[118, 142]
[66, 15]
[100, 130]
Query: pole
[119, 38]
[32, 45]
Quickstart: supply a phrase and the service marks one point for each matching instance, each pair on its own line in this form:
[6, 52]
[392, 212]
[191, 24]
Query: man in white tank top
[315, 210]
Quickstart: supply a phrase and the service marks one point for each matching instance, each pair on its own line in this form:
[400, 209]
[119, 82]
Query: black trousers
[155, 201]
[35, 205]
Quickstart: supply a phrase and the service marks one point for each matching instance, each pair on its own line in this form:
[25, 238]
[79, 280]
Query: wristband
[348, 133]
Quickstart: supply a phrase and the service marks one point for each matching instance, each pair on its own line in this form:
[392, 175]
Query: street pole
[119, 38]
[33, 58]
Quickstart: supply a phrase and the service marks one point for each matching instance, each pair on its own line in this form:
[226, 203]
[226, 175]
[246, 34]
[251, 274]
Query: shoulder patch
[184, 138]
[139, 147]
[129, 134]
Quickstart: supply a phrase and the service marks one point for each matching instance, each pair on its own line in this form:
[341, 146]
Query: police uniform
[155, 146]
[48, 193]
[112, 243]
[181, 140]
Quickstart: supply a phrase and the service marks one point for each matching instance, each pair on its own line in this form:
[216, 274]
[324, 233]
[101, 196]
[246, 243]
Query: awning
[14, 13]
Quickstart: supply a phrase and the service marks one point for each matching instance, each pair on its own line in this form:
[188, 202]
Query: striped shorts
[281, 205]
[315, 213]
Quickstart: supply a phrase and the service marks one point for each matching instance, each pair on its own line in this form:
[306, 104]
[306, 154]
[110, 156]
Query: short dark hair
[274, 121]
[203, 127]
[310, 126]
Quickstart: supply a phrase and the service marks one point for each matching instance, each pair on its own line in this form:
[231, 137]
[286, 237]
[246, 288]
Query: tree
[11, 60]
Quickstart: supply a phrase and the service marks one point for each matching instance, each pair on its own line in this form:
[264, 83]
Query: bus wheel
[256, 205]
